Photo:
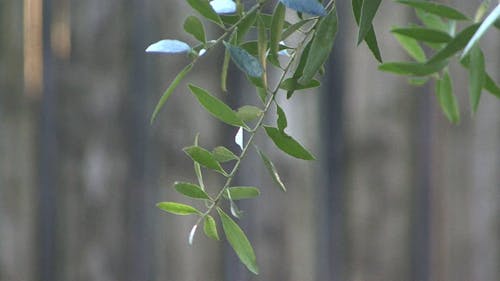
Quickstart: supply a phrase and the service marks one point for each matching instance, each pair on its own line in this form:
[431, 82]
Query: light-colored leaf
[311, 7]
[412, 68]
[191, 234]
[177, 208]
[436, 9]
[223, 6]
[249, 112]
[272, 170]
[446, 98]
[423, 34]
[190, 190]
[238, 139]
[276, 29]
[222, 154]
[291, 84]
[204, 158]
[168, 46]
[239, 242]
[477, 76]
[412, 47]
[210, 227]
[215, 106]
[242, 192]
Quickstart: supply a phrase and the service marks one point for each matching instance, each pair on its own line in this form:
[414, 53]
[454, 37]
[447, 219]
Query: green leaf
[431, 20]
[292, 84]
[272, 170]
[197, 168]
[447, 100]
[455, 45]
[282, 122]
[170, 90]
[321, 46]
[299, 71]
[239, 242]
[424, 34]
[368, 10]
[203, 7]
[294, 27]
[216, 107]
[491, 86]
[246, 62]
[287, 144]
[246, 23]
[242, 192]
[276, 29]
[222, 154]
[436, 9]
[418, 81]
[193, 26]
[477, 76]
[249, 112]
[412, 68]
[178, 208]
[262, 44]
[487, 23]
[225, 64]
[204, 158]
[210, 227]
[370, 38]
[190, 190]
[412, 47]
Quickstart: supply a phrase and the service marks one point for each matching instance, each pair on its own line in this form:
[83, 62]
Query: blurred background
[397, 192]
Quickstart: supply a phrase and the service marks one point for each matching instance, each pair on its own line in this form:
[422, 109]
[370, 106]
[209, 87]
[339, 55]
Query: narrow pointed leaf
[191, 234]
[215, 106]
[487, 23]
[177, 208]
[299, 71]
[412, 47]
[246, 62]
[294, 27]
[203, 7]
[287, 144]
[222, 154]
[210, 227]
[491, 86]
[170, 90]
[368, 11]
[431, 20]
[242, 192]
[435, 8]
[276, 29]
[249, 112]
[370, 38]
[311, 7]
[321, 46]
[272, 170]
[193, 26]
[424, 34]
[239, 242]
[204, 158]
[190, 190]
[455, 45]
[291, 84]
[197, 168]
[412, 68]
[245, 25]
[282, 122]
[447, 100]
[477, 76]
